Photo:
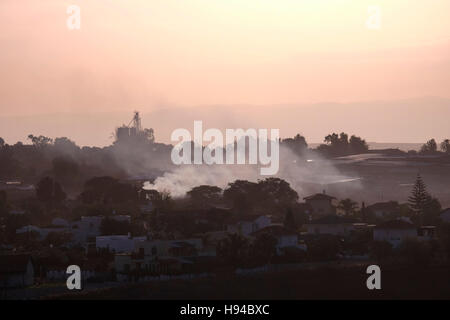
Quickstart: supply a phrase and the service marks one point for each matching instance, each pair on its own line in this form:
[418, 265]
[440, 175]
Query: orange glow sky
[149, 54]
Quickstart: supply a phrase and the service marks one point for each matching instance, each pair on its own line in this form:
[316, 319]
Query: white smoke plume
[304, 175]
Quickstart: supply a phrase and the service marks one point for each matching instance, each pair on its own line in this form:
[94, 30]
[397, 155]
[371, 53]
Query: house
[124, 263]
[445, 215]
[60, 222]
[88, 227]
[246, 225]
[16, 271]
[85, 228]
[182, 249]
[133, 265]
[46, 230]
[118, 243]
[332, 225]
[169, 248]
[158, 257]
[121, 218]
[211, 241]
[92, 224]
[147, 208]
[426, 233]
[321, 204]
[384, 209]
[17, 212]
[284, 237]
[394, 232]
[214, 237]
[42, 231]
[28, 228]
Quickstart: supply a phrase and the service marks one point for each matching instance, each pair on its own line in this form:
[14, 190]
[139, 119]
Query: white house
[159, 256]
[169, 248]
[52, 229]
[426, 233]
[16, 270]
[118, 243]
[85, 228]
[284, 237]
[245, 226]
[17, 212]
[60, 222]
[394, 232]
[121, 218]
[333, 225]
[89, 226]
[124, 263]
[147, 208]
[92, 224]
[28, 228]
[445, 215]
[42, 231]
[384, 209]
[321, 204]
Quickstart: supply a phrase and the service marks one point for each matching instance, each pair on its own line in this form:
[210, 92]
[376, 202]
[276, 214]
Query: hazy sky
[149, 55]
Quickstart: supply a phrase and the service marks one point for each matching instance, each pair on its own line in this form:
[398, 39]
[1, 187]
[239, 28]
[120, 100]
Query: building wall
[85, 228]
[245, 228]
[117, 243]
[287, 241]
[124, 263]
[322, 207]
[161, 248]
[262, 222]
[445, 216]
[394, 236]
[333, 229]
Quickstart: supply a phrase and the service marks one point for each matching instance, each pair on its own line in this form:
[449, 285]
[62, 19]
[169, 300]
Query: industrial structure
[133, 132]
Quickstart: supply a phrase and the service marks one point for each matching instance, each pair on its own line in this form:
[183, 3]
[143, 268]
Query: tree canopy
[297, 144]
[341, 145]
[445, 146]
[205, 195]
[49, 191]
[429, 147]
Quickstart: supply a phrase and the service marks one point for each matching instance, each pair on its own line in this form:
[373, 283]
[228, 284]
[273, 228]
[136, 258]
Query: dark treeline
[71, 166]
[338, 145]
[335, 145]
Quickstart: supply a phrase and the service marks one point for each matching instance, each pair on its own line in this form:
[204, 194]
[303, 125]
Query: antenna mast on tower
[136, 121]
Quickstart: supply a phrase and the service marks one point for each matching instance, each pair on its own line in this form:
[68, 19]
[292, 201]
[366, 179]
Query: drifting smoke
[304, 176]
[184, 178]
